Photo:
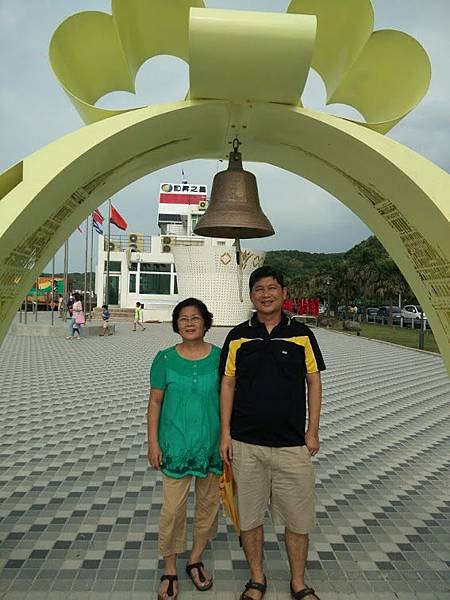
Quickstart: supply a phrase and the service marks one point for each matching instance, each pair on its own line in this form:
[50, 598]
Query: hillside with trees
[365, 275]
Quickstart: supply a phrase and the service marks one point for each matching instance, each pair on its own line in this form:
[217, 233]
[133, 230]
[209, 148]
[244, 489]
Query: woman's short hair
[206, 315]
[77, 296]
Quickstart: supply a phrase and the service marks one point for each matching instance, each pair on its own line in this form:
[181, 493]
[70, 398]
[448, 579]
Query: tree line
[365, 275]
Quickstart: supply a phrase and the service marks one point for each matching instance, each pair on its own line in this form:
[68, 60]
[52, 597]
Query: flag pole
[36, 300]
[108, 254]
[86, 249]
[66, 267]
[90, 269]
[53, 290]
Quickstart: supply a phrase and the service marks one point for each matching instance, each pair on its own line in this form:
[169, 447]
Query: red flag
[97, 217]
[117, 219]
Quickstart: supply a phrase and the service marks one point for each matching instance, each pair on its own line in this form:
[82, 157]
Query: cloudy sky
[35, 111]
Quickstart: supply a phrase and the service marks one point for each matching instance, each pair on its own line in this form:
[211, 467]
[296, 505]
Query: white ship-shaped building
[161, 270]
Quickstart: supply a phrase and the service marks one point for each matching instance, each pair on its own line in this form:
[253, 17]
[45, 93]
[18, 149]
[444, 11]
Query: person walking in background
[183, 441]
[106, 315]
[70, 302]
[138, 317]
[77, 319]
[265, 364]
[60, 306]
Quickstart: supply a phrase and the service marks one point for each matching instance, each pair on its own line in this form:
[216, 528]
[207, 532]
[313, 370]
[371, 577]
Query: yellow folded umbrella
[228, 497]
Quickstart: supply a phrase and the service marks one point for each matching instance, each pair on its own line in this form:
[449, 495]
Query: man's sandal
[307, 591]
[253, 585]
[170, 589]
[199, 566]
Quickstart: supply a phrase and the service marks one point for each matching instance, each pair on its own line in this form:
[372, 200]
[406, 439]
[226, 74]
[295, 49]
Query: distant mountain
[295, 264]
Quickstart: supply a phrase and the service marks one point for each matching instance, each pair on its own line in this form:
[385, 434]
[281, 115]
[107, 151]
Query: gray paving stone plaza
[79, 507]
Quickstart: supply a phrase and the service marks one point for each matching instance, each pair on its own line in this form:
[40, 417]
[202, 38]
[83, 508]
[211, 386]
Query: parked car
[412, 318]
[371, 313]
[412, 311]
[384, 311]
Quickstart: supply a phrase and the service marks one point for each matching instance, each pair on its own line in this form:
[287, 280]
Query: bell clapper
[236, 143]
[240, 274]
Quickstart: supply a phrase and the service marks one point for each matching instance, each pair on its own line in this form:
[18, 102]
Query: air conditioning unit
[136, 242]
[202, 205]
[113, 246]
[166, 243]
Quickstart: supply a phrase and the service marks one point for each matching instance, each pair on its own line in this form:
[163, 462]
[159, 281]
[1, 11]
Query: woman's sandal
[199, 566]
[307, 591]
[253, 585]
[170, 590]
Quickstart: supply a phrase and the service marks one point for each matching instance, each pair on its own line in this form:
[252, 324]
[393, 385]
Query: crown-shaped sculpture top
[383, 74]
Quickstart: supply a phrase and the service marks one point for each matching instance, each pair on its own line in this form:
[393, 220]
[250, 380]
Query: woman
[77, 318]
[183, 441]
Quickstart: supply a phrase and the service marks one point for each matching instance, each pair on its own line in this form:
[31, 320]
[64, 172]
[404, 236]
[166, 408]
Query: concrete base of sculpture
[45, 330]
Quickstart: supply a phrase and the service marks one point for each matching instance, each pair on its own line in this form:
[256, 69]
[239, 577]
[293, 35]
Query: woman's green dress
[189, 424]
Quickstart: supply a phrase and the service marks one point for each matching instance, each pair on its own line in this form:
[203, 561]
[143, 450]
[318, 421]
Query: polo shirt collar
[255, 322]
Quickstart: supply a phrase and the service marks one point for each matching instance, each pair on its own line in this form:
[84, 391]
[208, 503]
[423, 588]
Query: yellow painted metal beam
[383, 74]
[93, 53]
[401, 196]
[225, 50]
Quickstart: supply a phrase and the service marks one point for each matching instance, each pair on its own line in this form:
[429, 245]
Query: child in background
[106, 315]
[138, 317]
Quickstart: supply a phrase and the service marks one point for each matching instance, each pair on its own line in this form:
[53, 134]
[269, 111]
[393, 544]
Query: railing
[306, 318]
[143, 243]
[121, 243]
[411, 322]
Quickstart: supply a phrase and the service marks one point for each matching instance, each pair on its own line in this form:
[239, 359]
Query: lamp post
[422, 331]
[328, 282]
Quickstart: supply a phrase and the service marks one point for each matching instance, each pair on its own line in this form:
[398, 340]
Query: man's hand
[226, 448]
[312, 442]
[155, 456]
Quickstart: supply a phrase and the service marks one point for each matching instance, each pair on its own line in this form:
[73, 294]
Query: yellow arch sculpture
[401, 196]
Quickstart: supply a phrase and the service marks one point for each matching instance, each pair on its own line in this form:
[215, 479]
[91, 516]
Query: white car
[412, 311]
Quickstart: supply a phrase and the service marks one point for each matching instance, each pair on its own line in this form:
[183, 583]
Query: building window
[133, 266]
[155, 267]
[132, 285]
[175, 285]
[169, 218]
[114, 265]
[154, 283]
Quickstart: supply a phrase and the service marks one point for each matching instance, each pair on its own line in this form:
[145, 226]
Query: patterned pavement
[79, 507]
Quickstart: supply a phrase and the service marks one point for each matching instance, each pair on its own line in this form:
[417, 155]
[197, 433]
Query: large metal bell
[234, 210]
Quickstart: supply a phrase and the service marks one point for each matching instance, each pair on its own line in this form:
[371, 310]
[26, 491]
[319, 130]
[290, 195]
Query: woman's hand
[155, 456]
[226, 448]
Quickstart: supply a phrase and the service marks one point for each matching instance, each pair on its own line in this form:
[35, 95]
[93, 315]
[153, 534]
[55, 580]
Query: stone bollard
[352, 326]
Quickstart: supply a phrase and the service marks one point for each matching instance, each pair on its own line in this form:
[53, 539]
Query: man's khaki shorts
[281, 477]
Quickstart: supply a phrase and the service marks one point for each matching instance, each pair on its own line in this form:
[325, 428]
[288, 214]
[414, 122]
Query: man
[264, 364]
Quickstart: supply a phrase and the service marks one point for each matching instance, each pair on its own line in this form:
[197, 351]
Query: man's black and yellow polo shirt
[269, 406]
